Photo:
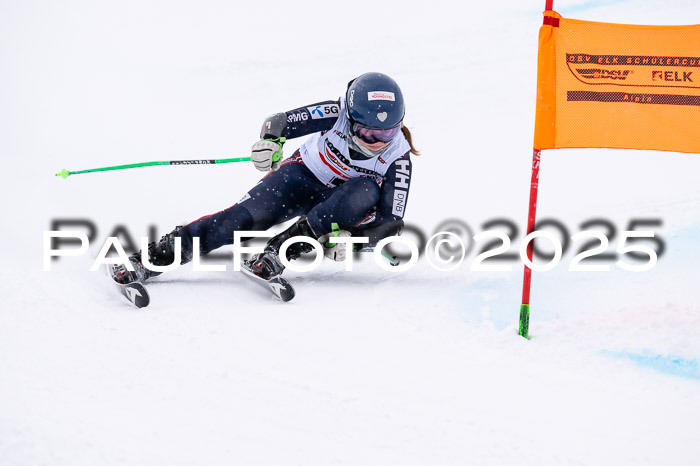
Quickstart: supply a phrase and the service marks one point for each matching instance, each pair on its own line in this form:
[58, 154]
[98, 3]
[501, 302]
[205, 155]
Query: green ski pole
[65, 173]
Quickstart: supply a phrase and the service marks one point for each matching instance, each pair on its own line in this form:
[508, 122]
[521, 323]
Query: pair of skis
[137, 294]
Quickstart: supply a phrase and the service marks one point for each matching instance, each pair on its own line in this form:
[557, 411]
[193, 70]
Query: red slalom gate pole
[524, 326]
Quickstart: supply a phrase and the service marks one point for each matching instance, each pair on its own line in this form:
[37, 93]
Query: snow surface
[363, 367]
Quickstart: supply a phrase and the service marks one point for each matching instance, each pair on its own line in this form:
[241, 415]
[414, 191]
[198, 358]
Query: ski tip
[282, 289]
[63, 174]
[137, 294]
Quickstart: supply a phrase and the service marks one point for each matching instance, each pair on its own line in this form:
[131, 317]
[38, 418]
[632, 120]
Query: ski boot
[267, 264]
[160, 253]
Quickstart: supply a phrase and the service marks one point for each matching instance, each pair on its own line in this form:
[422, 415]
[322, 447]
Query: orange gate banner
[617, 86]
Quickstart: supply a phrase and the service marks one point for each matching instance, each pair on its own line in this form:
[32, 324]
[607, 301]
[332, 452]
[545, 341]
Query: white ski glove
[266, 154]
[334, 251]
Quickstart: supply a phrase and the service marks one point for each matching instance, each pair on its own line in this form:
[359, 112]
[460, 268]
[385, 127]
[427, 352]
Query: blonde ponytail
[409, 138]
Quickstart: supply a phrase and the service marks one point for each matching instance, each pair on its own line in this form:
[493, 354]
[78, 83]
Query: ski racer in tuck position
[352, 175]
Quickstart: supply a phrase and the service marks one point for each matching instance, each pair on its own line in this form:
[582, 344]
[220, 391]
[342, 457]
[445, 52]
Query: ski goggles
[374, 135]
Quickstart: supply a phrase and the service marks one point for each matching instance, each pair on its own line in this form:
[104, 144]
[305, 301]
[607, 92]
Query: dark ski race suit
[326, 180]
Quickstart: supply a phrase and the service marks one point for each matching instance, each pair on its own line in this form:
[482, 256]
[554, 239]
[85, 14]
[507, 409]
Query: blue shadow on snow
[673, 365]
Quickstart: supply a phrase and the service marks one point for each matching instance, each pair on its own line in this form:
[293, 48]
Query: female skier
[353, 172]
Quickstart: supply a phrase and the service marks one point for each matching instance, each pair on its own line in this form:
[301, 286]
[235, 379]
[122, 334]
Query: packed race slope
[364, 367]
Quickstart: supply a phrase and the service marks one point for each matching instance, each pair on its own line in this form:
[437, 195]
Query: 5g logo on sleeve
[324, 111]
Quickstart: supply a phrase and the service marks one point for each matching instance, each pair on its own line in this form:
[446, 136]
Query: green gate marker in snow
[524, 327]
[65, 173]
